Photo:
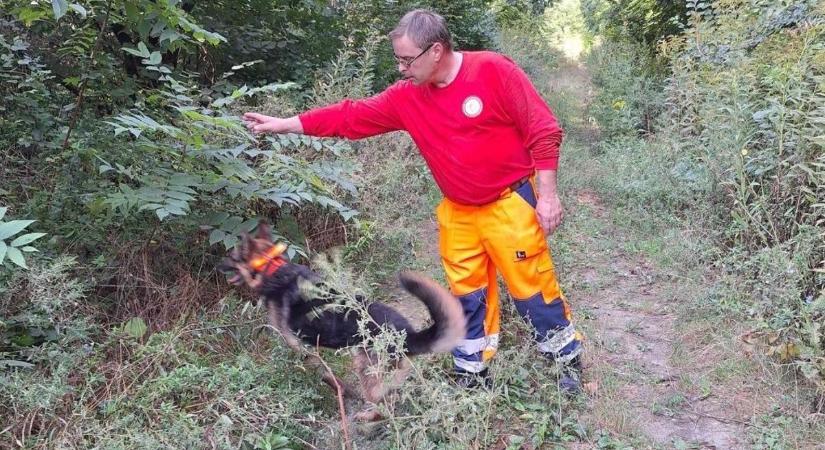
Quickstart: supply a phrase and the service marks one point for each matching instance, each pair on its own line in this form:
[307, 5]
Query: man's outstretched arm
[260, 123]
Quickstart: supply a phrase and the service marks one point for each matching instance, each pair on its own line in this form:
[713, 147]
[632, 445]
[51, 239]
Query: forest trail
[642, 367]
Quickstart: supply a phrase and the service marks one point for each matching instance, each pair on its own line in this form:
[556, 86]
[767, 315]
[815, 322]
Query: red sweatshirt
[479, 134]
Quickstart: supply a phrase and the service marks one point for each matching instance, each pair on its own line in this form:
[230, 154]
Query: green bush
[737, 148]
[629, 98]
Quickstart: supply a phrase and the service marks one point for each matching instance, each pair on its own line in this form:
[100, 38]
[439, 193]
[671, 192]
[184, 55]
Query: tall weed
[629, 97]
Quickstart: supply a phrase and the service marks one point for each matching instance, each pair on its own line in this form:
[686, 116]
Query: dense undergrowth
[720, 128]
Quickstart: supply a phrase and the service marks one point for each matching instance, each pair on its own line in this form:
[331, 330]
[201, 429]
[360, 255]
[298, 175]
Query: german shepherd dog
[305, 317]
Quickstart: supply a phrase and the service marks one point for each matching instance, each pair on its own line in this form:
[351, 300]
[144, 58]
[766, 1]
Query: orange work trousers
[503, 236]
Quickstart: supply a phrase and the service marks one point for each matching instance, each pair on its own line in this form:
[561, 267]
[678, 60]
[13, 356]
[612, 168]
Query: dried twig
[339, 390]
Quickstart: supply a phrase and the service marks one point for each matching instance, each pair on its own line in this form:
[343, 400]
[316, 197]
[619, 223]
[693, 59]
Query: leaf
[179, 196]
[78, 9]
[169, 35]
[230, 241]
[348, 214]
[59, 7]
[26, 238]
[133, 52]
[3, 248]
[174, 209]
[30, 15]
[249, 225]
[150, 206]
[3, 210]
[216, 218]
[8, 229]
[216, 236]
[135, 327]
[144, 51]
[154, 59]
[15, 363]
[16, 257]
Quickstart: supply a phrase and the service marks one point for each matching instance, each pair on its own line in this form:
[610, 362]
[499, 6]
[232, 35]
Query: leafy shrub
[629, 97]
[13, 250]
[741, 127]
[644, 22]
[27, 86]
[44, 337]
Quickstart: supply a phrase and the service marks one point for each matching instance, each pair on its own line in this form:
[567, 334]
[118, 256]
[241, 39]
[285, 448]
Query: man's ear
[438, 51]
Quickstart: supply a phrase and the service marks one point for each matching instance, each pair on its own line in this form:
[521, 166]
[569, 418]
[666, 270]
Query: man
[487, 137]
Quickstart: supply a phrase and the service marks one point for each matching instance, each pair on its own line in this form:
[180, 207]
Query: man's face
[417, 64]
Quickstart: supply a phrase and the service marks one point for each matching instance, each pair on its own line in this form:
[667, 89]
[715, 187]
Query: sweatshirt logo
[472, 106]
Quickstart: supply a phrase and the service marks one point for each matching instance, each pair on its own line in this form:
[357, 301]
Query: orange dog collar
[271, 256]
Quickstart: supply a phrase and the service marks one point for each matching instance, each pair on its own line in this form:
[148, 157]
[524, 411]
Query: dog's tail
[449, 324]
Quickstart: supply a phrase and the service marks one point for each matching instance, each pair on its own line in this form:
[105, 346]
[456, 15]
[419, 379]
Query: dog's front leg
[373, 386]
[327, 376]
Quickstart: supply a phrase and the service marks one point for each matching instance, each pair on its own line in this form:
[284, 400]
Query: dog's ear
[246, 247]
[235, 254]
[263, 232]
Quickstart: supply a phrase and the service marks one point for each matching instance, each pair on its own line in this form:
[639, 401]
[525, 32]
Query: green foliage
[630, 94]
[291, 38]
[510, 13]
[294, 39]
[644, 22]
[738, 139]
[13, 250]
[42, 338]
[167, 389]
[24, 86]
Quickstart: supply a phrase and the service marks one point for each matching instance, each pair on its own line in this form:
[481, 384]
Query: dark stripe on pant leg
[474, 305]
[547, 319]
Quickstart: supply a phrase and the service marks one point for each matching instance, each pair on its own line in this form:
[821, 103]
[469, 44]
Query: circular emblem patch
[472, 106]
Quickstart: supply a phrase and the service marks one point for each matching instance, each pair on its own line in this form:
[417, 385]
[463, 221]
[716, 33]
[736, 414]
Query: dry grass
[157, 283]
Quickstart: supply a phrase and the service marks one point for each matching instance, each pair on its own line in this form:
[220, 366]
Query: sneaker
[570, 382]
[570, 379]
[480, 380]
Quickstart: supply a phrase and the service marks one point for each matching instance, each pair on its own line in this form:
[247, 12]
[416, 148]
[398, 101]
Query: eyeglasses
[407, 61]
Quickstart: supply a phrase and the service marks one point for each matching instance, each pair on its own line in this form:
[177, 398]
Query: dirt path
[636, 387]
[641, 376]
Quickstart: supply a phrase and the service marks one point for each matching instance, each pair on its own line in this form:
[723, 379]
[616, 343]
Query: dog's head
[255, 256]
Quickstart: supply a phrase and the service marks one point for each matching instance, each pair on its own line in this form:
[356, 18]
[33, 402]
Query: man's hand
[548, 205]
[260, 123]
[549, 212]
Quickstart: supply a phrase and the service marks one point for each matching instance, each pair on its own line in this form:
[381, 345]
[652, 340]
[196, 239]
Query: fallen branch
[339, 391]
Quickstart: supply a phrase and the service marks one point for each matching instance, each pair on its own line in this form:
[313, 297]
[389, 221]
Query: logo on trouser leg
[521, 254]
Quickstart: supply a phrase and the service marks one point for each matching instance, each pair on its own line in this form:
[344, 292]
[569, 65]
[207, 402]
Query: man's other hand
[549, 212]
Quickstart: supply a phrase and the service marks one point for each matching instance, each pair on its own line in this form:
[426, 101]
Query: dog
[299, 309]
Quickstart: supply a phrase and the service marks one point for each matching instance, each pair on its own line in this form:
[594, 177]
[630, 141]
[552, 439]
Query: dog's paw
[370, 414]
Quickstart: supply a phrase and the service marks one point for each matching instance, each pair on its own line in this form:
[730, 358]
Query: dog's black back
[319, 321]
